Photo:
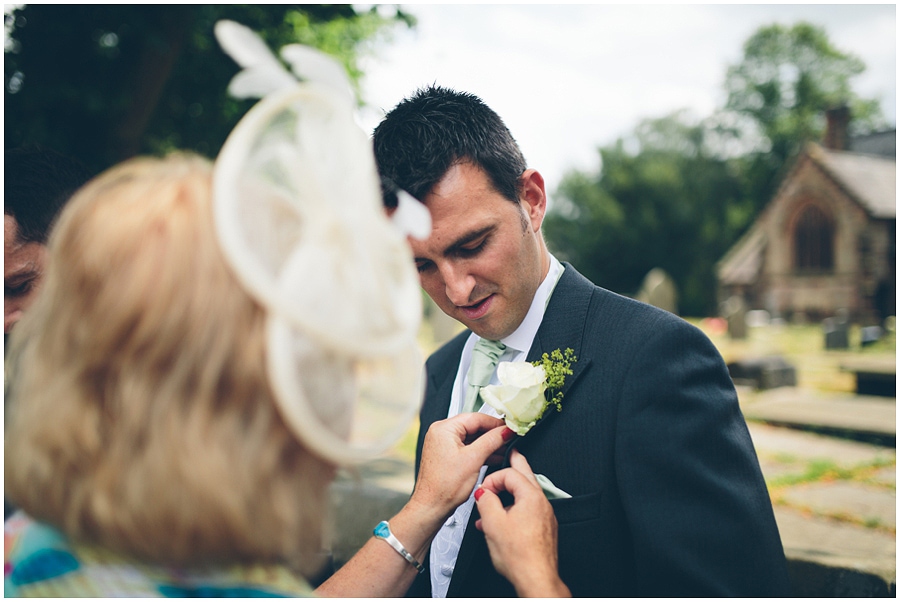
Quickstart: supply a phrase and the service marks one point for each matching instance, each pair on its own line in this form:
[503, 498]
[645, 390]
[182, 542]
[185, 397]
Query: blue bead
[382, 529]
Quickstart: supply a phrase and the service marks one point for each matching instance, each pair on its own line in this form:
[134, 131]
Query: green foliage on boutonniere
[527, 389]
[557, 366]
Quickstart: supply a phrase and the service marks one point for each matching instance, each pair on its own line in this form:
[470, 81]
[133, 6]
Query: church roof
[871, 180]
[877, 143]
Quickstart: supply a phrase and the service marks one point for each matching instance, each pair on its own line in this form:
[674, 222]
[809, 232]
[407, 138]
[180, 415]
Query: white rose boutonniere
[526, 389]
[520, 396]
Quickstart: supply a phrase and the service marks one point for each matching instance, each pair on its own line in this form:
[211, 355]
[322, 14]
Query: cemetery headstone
[837, 332]
[734, 310]
[658, 290]
[870, 335]
[763, 373]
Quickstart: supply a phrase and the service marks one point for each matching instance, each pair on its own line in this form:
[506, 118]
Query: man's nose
[458, 284]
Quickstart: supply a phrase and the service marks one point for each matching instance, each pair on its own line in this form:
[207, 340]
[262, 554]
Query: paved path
[790, 406]
[834, 498]
[846, 524]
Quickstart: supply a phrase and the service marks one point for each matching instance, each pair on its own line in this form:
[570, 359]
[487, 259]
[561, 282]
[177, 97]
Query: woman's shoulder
[42, 562]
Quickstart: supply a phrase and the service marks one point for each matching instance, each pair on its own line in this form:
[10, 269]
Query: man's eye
[423, 266]
[17, 290]
[473, 250]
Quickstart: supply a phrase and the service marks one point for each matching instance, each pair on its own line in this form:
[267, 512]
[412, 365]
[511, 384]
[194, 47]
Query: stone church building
[827, 239]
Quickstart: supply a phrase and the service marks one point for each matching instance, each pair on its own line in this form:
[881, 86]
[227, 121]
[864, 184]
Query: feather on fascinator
[298, 212]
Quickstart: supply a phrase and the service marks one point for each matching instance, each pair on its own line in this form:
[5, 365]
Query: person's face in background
[23, 266]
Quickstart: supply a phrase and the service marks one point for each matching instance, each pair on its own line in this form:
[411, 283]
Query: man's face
[485, 257]
[23, 266]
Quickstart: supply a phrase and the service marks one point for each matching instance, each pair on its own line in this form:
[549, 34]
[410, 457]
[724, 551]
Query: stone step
[831, 559]
[837, 413]
[838, 535]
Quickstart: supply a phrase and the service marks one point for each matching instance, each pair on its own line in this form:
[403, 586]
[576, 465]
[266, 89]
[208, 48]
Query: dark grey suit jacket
[668, 498]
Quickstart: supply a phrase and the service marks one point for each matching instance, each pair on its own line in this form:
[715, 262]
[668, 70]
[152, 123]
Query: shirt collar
[523, 336]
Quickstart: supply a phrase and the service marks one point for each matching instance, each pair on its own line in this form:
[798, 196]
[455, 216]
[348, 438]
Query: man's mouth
[477, 310]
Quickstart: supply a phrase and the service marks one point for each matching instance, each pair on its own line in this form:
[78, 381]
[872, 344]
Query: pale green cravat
[485, 355]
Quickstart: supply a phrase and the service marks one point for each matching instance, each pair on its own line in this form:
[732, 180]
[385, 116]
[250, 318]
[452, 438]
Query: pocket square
[550, 490]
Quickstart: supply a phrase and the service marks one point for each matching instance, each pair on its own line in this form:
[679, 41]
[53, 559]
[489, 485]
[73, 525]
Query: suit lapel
[562, 327]
[440, 388]
[564, 320]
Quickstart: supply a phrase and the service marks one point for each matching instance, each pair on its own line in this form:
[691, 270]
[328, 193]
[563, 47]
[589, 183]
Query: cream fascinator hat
[298, 212]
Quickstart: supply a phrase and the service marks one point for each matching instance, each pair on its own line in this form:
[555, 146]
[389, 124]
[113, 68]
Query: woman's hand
[522, 538]
[452, 455]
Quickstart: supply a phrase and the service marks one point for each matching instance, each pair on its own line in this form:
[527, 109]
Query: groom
[666, 495]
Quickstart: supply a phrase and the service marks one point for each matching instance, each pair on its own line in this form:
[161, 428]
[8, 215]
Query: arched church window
[814, 241]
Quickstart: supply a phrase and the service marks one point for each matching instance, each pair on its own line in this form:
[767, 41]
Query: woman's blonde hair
[142, 418]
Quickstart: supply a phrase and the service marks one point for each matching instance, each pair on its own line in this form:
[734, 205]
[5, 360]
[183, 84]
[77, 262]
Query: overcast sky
[569, 78]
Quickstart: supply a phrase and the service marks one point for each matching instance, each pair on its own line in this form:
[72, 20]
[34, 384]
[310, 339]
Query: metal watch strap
[383, 531]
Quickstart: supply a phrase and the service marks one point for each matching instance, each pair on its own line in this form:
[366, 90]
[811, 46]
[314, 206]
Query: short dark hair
[37, 184]
[436, 128]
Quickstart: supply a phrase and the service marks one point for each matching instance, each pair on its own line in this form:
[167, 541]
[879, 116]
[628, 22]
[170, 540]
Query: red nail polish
[478, 493]
[508, 434]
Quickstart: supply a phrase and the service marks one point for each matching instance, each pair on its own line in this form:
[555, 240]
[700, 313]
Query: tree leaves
[104, 82]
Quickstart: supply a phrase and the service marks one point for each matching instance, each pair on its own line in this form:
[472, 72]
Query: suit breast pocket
[577, 509]
[582, 547]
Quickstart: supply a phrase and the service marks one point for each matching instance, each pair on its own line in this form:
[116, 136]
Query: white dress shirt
[445, 547]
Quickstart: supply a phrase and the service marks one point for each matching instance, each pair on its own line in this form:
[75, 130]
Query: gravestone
[763, 373]
[734, 310]
[658, 290]
[870, 335]
[837, 332]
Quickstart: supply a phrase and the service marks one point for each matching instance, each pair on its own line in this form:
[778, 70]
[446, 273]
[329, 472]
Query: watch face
[382, 530]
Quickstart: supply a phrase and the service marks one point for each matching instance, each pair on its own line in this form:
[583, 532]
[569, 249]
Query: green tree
[670, 203]
[787, 79]
[105, 82]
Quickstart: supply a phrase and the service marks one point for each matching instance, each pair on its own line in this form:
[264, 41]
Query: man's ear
[533, 197]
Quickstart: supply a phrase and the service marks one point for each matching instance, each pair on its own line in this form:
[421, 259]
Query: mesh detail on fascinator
[298, 212]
